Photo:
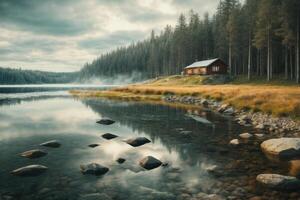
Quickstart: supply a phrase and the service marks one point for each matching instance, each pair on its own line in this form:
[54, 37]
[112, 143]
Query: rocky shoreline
[277, 126]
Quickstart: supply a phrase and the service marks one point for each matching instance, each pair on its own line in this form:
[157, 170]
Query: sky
[62, 35]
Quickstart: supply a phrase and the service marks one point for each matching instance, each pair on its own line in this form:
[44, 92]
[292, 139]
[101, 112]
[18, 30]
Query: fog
[124, 79]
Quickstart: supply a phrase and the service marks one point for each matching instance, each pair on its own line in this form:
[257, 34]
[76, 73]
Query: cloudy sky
[62, 35]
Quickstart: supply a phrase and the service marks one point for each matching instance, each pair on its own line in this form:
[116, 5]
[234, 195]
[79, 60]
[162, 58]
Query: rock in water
[121, 160]
[51, 143]
[200, 119]
[94, 169]
[139, 141]
[30, 170]
[150, 162]
[93, 145]
[109, 136]
[106, 121]
[234, 142]
[280, 182]
[285, 148]
[35, 153]
[245, 135]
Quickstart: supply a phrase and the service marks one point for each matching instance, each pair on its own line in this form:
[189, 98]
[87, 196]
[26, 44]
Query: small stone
[94, 169]
[121, 160]
[229, 111]
[35, 153]
[51, 143]
[245, 135]
[280, 182]
[109, 136]
[135, 142]
[165, 164]
[234, 142]
[259, 135]
[30, 170]
[150, 162]
[106, 121]
[260, 126]
[93, 145]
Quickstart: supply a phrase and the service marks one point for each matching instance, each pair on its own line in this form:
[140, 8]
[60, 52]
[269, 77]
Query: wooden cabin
[206, 67]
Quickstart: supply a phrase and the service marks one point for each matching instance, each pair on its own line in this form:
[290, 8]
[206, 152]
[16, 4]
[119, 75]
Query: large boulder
[150, 162]
[106, 121]
[94, 169]
[109, 136]
[30, 170]
[284, 148]
[51, 143]
[34, 153]
[279, 182]
[135, 142]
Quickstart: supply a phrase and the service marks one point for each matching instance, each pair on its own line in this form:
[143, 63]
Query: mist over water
[120, 79]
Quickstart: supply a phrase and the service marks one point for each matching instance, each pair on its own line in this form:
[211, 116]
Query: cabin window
[216, 68]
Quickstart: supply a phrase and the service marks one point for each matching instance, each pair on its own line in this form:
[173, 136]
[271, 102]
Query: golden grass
[275, 100]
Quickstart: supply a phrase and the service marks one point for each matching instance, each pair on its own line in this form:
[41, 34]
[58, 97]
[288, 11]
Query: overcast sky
[62, 35]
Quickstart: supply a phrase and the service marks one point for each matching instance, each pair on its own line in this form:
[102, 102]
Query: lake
[199, 162]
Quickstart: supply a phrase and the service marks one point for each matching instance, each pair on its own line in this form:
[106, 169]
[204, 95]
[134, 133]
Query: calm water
[190, 148]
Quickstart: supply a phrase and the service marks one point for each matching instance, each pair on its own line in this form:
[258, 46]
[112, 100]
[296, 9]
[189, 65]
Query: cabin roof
[203, 63]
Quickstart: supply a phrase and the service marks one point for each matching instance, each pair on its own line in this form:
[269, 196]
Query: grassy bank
[273, 99]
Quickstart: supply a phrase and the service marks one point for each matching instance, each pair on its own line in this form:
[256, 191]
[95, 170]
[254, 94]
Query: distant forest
[256, 38]
[18, 76]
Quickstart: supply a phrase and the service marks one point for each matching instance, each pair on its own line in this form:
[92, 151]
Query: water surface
[189, 147]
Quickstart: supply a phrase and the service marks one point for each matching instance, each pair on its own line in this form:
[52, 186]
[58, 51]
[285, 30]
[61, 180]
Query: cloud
[111, 41]
[62, 35]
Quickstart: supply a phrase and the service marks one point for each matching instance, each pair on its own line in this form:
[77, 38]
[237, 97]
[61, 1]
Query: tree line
[18, 76]
[256, 38]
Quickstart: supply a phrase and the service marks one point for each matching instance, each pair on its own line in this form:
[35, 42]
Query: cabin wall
[196, 71]
[217, 68]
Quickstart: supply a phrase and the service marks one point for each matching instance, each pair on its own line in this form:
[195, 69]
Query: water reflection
[188, 146]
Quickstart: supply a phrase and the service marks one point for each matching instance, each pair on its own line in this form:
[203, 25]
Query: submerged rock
[94, 169]
[121, 160]
[30, 170]
[285, 148]
[135, 142]
[199, 119]
[93, 145]
[245, 135]
[105, 121]
[51, 143]
[150, 162]
[280, 182]
[109, 136]
[234, 142]
[35, 153]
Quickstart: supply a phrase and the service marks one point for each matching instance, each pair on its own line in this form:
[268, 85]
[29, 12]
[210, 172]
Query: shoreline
[277, 126]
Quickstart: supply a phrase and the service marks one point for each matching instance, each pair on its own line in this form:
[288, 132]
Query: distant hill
[19, 76]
